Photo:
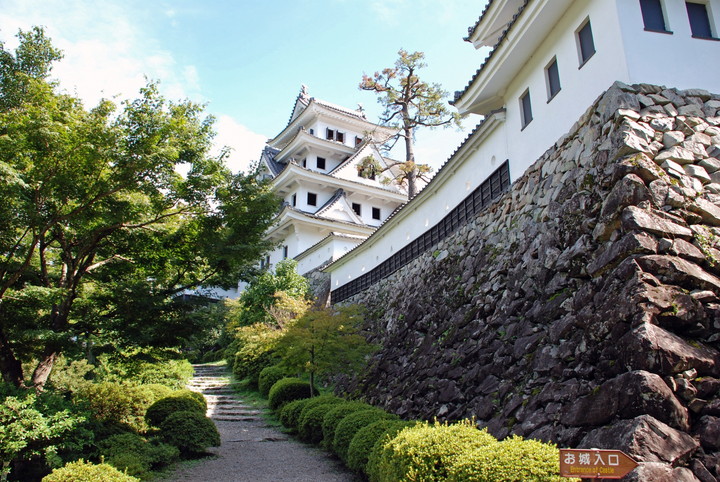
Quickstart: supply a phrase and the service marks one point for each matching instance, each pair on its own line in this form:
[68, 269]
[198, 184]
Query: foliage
[425, 451]
[409, 104]
[513, 460]
[270, 291]
[268, 376]
[146, 366]
[289, 414]
[286, 390]
[161, 410]
[335, 415]
[82, 471]
[311, 418]
[349, 426]
[70, 376]
[135, 455]
[98, 230]
[256, 349]
[37, 426]
[192, 395]
[190, 431]
[368, 437]
[327, 340]
[117, 403]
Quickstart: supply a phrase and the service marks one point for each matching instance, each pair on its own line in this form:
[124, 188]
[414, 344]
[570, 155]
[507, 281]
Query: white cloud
[246, 145]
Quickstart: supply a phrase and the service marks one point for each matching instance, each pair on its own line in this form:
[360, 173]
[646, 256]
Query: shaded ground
[251, 450]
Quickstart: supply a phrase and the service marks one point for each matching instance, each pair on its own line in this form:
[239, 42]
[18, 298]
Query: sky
[246, 60]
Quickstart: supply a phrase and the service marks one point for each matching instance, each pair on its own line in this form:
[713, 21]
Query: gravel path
[251, 450]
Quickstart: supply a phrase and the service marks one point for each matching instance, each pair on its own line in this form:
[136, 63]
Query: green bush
[146, 367]
[333, 417]
[311, 417]
[135, 455]
[267, 378]
[117, 403]
[424, 452]
[159, 411]
[158, 391]
[349, 426]
[82, 471]
[368, 437]
[70, 376]
[256, 350]
[513, 460]
[286, 390]
[197, 396]
[190, 431]
[289, 414]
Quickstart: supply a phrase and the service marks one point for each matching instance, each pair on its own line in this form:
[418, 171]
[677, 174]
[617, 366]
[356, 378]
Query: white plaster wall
[580, 86]
[656, 58]
[333, 250]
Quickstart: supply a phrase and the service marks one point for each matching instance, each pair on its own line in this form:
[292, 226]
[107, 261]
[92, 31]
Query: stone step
[235, 419]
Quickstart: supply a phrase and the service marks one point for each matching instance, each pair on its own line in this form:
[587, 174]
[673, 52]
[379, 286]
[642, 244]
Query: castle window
[312, 199]
[304, 163]
[653, 17]
[294, 200]
[330, 134]
[525, 109]
[285, 252]
[340, 136]
[312, 131]
[699, 20]
[321, 163]
[552, 76]
[376, 213]
[358, 141]
[357, 208]
[586, 44]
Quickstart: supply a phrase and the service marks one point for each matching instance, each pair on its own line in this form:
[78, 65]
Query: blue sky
[247, 59]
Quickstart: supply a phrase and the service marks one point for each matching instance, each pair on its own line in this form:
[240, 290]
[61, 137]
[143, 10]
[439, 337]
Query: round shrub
[197, 396]
[190, 431]
[425, 451]
[349, 426]
[82, 471]
[286, 390]
[311, 418]
[289, 414]
[117, 403]
[368, 437]
[333, 417]
[163, 408]
[513, 459]
[158, 391]
[267, 378]
[133, 454]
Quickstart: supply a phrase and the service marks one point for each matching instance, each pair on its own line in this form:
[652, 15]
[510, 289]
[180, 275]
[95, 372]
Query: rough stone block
[672, 138]
[709, 212]
[659, 472]
[698, 172]
[708, 430]
[631, 243]
[626, 396]
[650, 347]
[635, 218]
[644, 438]
[678, 154]
[691, 110]
[710, 164]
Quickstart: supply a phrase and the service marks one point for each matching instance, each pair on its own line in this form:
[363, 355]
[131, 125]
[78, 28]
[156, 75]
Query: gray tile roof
[268, 156]
[471, 30]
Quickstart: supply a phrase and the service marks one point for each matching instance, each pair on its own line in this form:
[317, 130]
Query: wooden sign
[595, 463]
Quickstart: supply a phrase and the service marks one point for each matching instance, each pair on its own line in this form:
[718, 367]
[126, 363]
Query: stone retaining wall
[583, 306]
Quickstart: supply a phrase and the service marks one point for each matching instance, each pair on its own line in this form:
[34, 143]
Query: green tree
[409, 103]
[100, 231]
[325, 340]
[269, 293]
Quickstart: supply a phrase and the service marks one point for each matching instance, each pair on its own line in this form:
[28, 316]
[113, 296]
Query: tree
[325, 340]
[409, 103]
[97, 227]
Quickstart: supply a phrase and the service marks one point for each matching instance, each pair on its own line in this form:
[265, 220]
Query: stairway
[213, 381]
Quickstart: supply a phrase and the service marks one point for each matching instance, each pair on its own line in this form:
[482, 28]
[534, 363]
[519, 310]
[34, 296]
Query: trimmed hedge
[286, 390]
[349, 426]
[425, 451]
[311, 418]
[190, 431]
[134, 455]
[82, 471]
[333, 417]
[289, 414]
[163, 408]
[267, 378]
[117, 403]
[513, 460]
[196, 396]
[371, 436]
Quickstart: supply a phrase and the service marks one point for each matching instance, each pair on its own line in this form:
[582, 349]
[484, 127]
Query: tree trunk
[44, 367]
[10, 367]
[410, 163]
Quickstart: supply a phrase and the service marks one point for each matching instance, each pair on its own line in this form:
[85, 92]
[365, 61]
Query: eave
[531, 25]
[303, 138]
[290, 216]
[493, 20]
